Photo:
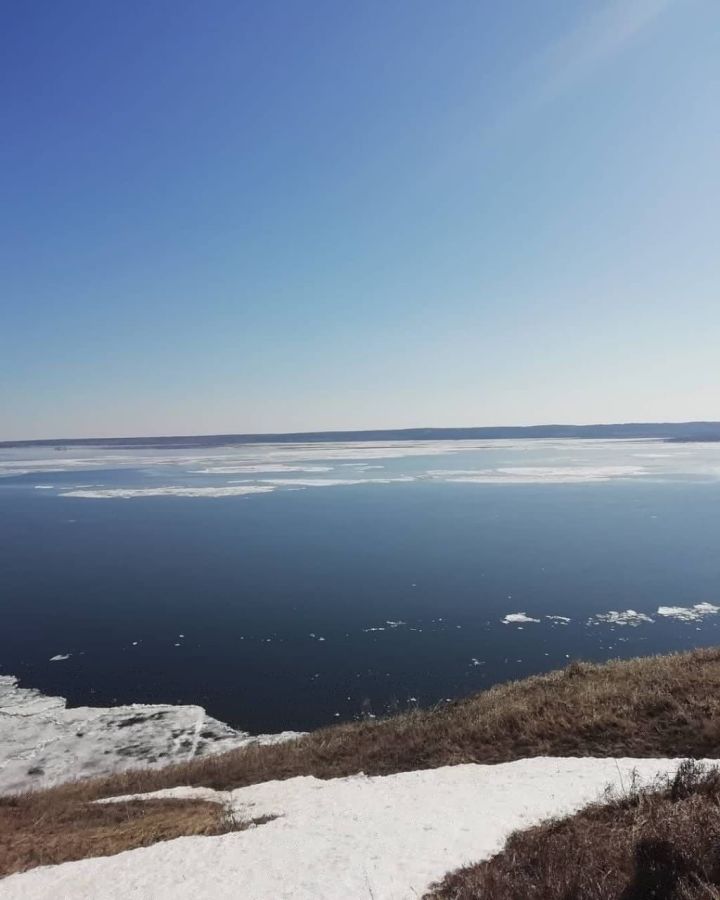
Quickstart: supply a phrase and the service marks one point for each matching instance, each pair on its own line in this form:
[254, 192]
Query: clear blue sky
[228, 216]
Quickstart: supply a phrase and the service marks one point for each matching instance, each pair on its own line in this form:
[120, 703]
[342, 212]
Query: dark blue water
[248, 580]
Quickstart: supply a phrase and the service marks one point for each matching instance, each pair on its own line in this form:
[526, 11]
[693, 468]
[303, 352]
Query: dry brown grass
[655, 706]
[38, 830]
[662, 843]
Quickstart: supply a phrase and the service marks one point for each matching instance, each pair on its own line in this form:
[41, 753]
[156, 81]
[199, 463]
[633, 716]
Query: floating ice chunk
[59, 657]
[396, 624]
[511, 618]
[626, 617]
[562, 619]
[688, 613]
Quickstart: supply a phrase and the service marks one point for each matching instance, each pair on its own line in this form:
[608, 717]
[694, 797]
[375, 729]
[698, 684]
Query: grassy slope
[654, 706]
[657, 706]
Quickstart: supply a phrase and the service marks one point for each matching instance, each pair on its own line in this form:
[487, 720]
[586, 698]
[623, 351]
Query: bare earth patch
[661, 843]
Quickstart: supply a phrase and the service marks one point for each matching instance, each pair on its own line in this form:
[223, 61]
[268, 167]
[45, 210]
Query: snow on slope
[42, 742]
[385, 838]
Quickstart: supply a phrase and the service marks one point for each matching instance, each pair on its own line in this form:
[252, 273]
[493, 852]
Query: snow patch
[386, 837]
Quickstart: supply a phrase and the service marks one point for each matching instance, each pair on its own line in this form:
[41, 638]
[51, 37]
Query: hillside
[670, 431]
[663, 706]
[652, 708]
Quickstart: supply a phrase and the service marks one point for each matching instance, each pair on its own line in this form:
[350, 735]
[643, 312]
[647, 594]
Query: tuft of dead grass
[654, 706]
[661, 843]
[39, 830]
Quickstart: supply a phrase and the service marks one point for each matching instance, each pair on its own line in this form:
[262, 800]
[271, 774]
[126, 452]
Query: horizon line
[320, 433]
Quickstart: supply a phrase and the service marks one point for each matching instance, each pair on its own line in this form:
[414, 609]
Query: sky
[289, 215]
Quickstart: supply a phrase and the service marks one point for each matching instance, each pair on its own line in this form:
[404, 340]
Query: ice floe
[42, 742]
[688, 613]
[563, 620]
[59, 657]
[386, 837]
[518, 617]
[625, 617]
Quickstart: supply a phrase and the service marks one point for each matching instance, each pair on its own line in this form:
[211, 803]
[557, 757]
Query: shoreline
[43, 742]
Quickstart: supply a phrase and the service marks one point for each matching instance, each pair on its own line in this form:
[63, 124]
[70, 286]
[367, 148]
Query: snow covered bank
[42, 742]
[387, 838]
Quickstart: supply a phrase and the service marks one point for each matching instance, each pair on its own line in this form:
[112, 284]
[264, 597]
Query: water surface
[360, 578]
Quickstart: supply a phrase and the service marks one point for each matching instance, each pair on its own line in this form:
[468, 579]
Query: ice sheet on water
[538, 474]
[333, 482]
[258, 468]
[172, 491]
[42, 742]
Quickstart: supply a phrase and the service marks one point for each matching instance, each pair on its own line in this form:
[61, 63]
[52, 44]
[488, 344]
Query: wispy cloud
[601, 31]
[594, 41]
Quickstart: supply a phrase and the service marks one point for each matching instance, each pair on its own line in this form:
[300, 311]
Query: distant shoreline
[675, 432]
